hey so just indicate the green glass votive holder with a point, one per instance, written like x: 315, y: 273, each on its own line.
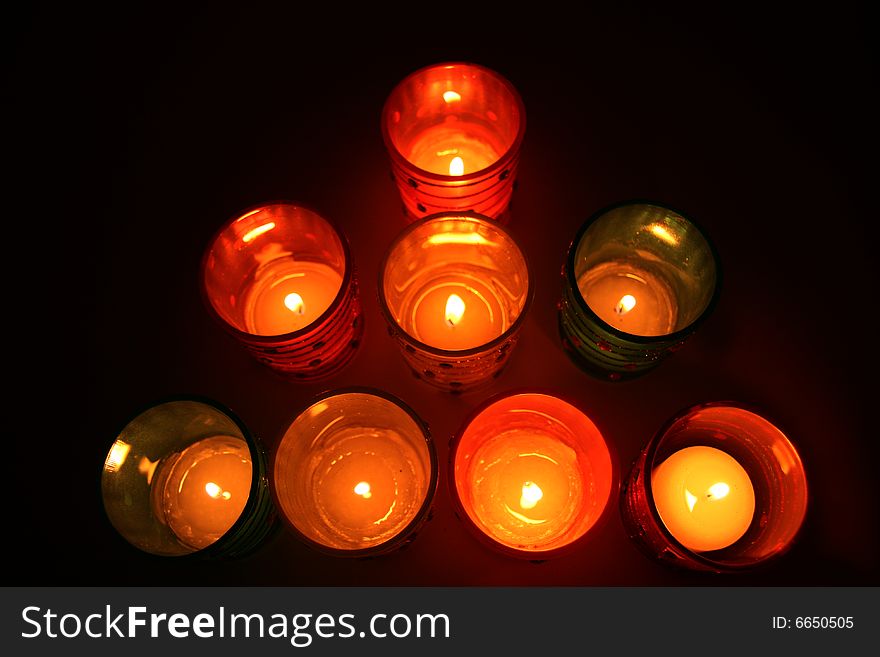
x: 638, y: 280
x: 186, y: 477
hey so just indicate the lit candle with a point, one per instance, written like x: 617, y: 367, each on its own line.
x: 531, y: 473
x: 203, y: 489
x: 355, y: 472
x: 181, y: 475
x: 454, y: 289
x: 453, y: 133
x: 637, y: 281
x: 279, y: 278
x: 719, y: 488
x: 704, y: 497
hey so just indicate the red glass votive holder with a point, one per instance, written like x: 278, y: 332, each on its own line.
x: 454, y: 289
x: 280, y: 279
x: 186, y: 477
x: 453, y: 132
x: 531, y: 475
x: 719, y: 488
x: 355, y: 473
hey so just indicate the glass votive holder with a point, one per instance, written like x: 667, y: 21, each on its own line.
x: 454, y: 289
x: 638, y: 280
x: 453, y: 133
x: 719, y: 488
x: 185, y: 476
x: 531, y: 475
x: 280, y: 279
x: 355, y: 473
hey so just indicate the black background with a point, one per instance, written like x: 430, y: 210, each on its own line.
x: 132, y: 136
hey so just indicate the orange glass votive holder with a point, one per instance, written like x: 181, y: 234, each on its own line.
x: 280, y: 279
x: 531, y: 475
x: 454, y: 289
x: 453, y: 132
x: 719, y: 488
x: 355, y: 473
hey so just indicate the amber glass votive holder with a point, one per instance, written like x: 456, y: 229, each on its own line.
x: 531, y: 475
x: 454, y: 289
x: 719, y: 488
x: 638, y: 280
x: 280, y: 279
x: 354, y: 474
x: 453, y: 133
x: 186, y: 477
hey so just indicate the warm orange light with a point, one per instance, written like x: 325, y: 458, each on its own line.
x: 456, y: 166
x: 363, y: 489
x: 627, y: 302
x: 531, y: 495
x: 451, y: 96
x: 294, y: 303
x: 662, y: 232
x: 256, y: 232
x: 454, y: 310
x: 704, y: 497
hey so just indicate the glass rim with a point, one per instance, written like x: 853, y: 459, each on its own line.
x: 471, y: 351
x: 571, y: 280
x: 458, y: 507
x: 347, y: 276
x: 254, y: 448
x: 485, y: 172
x: 401, y: 537
x: 644, y: 476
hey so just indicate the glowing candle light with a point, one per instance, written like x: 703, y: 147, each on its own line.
x: 531, y: 473
x: 453, y: 133
x: 355, y: 472
x: 719, y: 488
x: 454, y: 289
x: 180, y: 477
x: 704, y: 497
x: 637, y: 281
x: 203, y: 489
x: 279, y: 278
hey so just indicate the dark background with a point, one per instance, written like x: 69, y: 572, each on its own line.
x: 132, y: 136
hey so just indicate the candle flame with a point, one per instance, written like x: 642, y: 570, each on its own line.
x: 454, y: 310
x: 147, y: 467
x: 690, y: 498
x: 456, y: 166
x: 256, y: 232
x: 116, y: 457
x: 531, y: 495
x: 216, y: 492
x: 718, y: 491
x: 627, y: 302
x: 294, y: 303
x: 451, y: 96
x: 363, y: 489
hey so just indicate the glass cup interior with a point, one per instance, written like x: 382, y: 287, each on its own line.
x: 177, y: 478
x: 525, y: 451
x: 354, y: 471
x: 264, y: 247
x: 453, y: 103
x: 464, y: 249
x: 771, y: 463
x: 660, y: 245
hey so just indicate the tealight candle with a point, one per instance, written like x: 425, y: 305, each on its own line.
x: 354, y: 474
x: 453, y: 132
x: 719, y: 488
x: 185, y: 476
x: 454, y: 289
x: 279, y: 278
x: 531, y: 473
x: 638, y: 280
